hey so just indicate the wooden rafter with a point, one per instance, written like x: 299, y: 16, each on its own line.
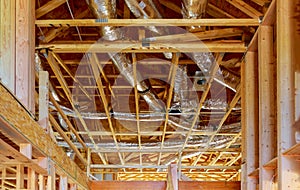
x: 49, y: 6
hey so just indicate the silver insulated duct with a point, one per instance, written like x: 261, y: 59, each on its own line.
x: 195, y: 9
x: 106, y: 9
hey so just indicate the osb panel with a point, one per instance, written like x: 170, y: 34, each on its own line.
x: 17, y: 117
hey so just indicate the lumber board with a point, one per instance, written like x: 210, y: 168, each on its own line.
x: 147, y: 22
x: 29, y: 128
x: 125, y: 46
x: 161, y: 185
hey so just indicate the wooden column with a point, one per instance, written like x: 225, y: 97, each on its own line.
x: 172, y: 179
x: 44, y: 100
x: 288, y: 167
x: 25, y: 35
x: 7, y: 43
x: 17, y: 34
x: 63, y: 183
x: 267, y: 104
x: 249, y: 98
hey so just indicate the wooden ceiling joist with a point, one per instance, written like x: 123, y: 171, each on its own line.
x: 148, y: 22
x: 131, y: 47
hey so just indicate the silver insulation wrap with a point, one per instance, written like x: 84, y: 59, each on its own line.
x: 107, y: 9
x: 104, y: 9
x: 146, y: 9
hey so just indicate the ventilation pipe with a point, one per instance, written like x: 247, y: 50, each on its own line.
x: 107, y: 9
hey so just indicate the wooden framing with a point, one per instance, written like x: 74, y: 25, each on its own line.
x: 148, y: 22
x: 249, y: 94
x: 288, y: 168
x: 137, y: 47
x: 267, y: 106
x: 35, y: 135
x: 25, y: 42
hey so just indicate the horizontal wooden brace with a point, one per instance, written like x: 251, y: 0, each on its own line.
x: 125, y: 46
x: 147, y: 22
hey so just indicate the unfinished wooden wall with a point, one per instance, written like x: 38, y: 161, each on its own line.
x: 277, y: 47
x: 17, y: 34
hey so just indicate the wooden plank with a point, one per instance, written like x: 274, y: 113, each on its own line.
x: 288, y: 168
x: 249, y: 101
x: 171, y: 6
x: 147, y: 22
x: 7, y: 44
x: 20, y: 177
x: 272, y: 164
x: 67, y: 139
x: 32, y: 179
x: 25, y: 43
x: 172, y: 179
x: 44, y: 100
x: 244, y: 7
x: 48, y: 7
x: 197, y: 36
x: 41, y: 182
x: 269, y: 19
x: 69, y: 124
x: 216, y: 12
x: 267, y: 108
x: 63, y: 183
x: 160, y: 185
x: 117, y: 46
x: 29, y: 128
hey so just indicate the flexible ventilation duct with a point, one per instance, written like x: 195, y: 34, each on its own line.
x: 107, y: 9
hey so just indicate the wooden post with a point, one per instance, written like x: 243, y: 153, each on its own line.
x: 172, y: 179
x: 51, y: 176
x: 7, y: 43
x: 288, y: 167
x: 63, y: 183
x: 44, y: 100
x: 267, y: 104
x: 20, y: 177
x: 32, y: 180
x: 249, y: 97
x: 88, y: 166
x: 41, y: 182
x: 25, y: 36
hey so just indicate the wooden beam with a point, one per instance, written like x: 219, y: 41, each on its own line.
x: 69, y: 124
x: 249, y: 93
x: 171, y: 6
x: 25, y: 43
x: 147, y: 22
x: 288, y: 168
x: 198, y: 36
x: 28, y: 128
x: 67, y: 139
x: 48, y: 7
x: 267, y: 108
x: 161, y: 185
x: 101, y: 166
x: 104, y: 47
x: 244, y: 7
x: 217, y: 12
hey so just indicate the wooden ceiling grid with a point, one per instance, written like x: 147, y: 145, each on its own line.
x: 66, y: 30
